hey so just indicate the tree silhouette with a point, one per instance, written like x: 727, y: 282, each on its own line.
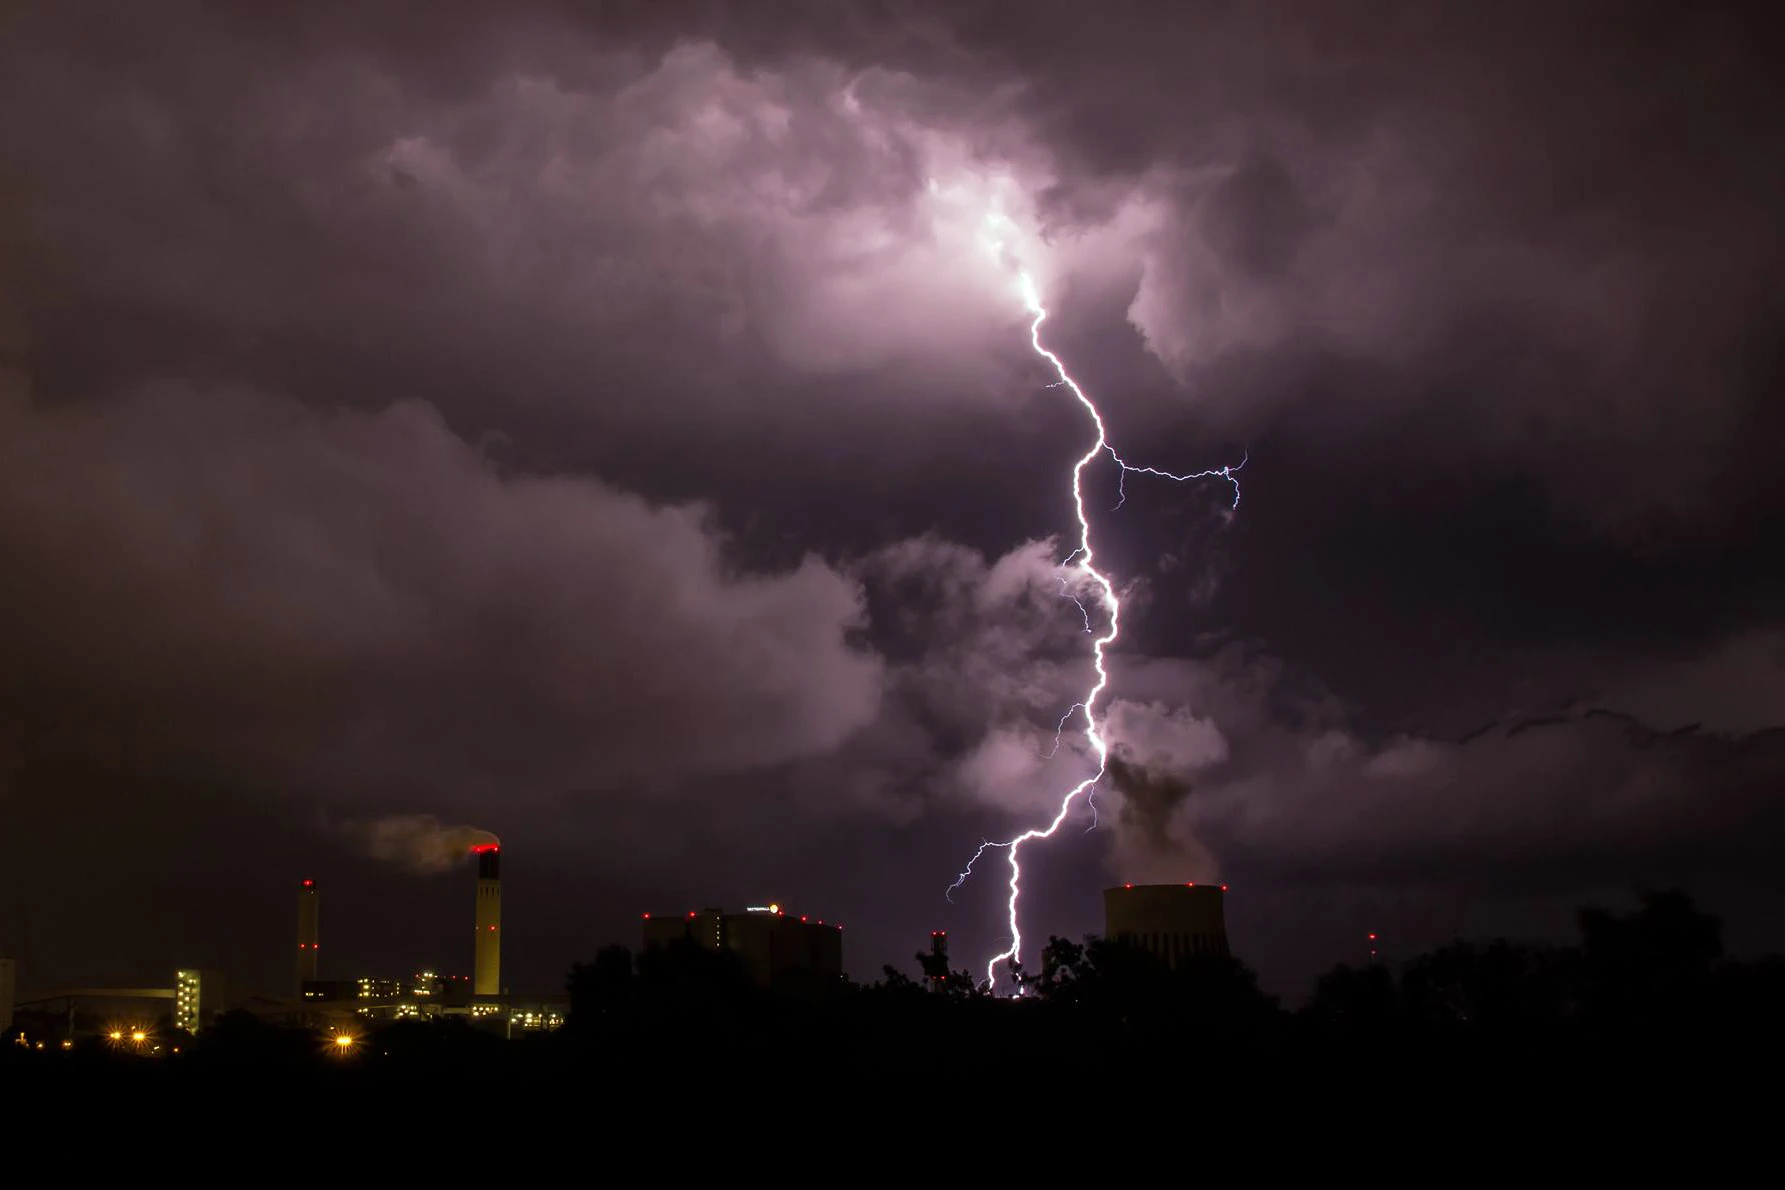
x: 1500, y: 987
x: 603, y: 991
x: 1653, y: 967
x: 1355, y: 1003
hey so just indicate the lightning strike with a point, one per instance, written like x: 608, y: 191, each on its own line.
x: 1104, y: 591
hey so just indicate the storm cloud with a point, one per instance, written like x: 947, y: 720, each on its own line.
x: 624, y: 415
x: 363, y: 603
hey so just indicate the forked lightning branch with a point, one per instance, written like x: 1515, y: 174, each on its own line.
x: 1082, y: 565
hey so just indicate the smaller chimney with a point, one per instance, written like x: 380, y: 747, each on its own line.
x: 935, y: 967
x: 308, y: 928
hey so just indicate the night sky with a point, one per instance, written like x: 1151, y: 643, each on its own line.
x: 604, y: 425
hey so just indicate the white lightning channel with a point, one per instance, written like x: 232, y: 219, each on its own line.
x: 1081, y: 559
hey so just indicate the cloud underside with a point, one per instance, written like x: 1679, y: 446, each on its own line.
x: 332, y: 333
x: 1234, y: 758
x: 362, y: 602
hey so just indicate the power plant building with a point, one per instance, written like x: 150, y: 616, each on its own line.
x: 198, y: 996
x: 344, y: 1003
x: 778, y: 950
x: 1176, y: 922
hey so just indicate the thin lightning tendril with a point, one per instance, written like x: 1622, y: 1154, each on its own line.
x: 1082, y: 559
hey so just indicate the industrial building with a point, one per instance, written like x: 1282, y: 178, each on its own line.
x: 1176, y: 922
x: 778, y: 950
x: 485, y: 981
x: 128, y: 1015
x: 344, y: 1004
x: 199, y: 997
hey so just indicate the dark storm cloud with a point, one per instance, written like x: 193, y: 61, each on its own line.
x: 671, y: 223
x: 1284, y: 785
x: 1552, y: 229
x: 361, y: 602
x: 980, y: 654
x: 436, y: 401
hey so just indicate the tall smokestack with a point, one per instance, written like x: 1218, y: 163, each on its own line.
x: 309, y: 911
x: 486, y: 973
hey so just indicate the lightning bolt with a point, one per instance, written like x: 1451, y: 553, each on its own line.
x: 1082, y: 560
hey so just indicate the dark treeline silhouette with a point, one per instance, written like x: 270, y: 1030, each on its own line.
x: 1652, y: 984
x: 1654, y: 981
x: 1656, y: 977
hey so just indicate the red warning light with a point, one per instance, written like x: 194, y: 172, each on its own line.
x: 309, y: 884
x: 1189, y: 884
x: 483, y: 847
x: 690, y: 913
x: 1223, y: 888
x: 1127, y: 886
x: 802, y: 919
x: 1372, y: 937
x: 647, y: 917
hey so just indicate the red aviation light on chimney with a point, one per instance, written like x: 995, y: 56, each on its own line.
x: 483, y: 847
x: 1223, y: 888
x: 309, y: 884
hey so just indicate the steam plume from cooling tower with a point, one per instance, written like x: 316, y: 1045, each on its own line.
x: 421, y: 842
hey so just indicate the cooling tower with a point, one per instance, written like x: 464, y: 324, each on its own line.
x: 486, y: 972
x: 309, y: 910
x: 1177, y: 922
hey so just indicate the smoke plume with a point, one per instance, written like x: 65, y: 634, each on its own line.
x: 1151, y: 843
x: 421, y: 842
x: 1149, y: 796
